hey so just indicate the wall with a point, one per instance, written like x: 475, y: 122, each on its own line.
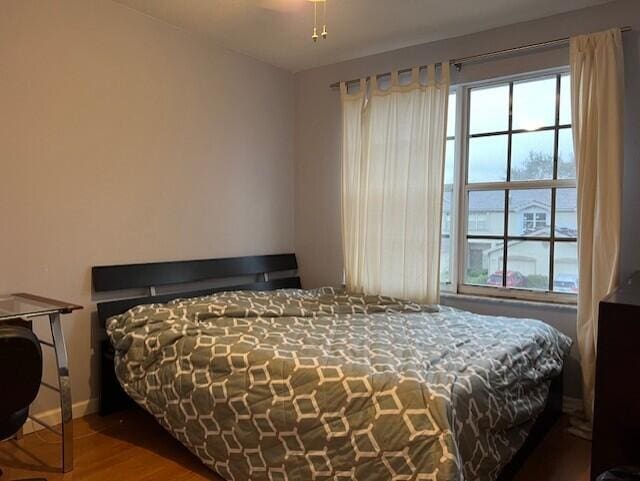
x: 318, y: 130
x: 124, y: 139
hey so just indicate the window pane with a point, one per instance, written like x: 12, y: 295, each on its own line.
x: 530, y: 212
x: 566, y: 158
x: 528, y: 265
x: 532, y: 155
x: 534, y: 103
x: 488, y: 159
x: 566, y: 213
x: 445, y: 258
x: 445, y: 244
x: 451, y: 116
x: 565, y: 100
x: 486, y: 212
x: 449, y: 156
x: 489, y: 109
x: 477, y: 254
x: 447, y: 205
x: 565, y: 267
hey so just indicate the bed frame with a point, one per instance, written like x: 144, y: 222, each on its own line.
x: 259, y: 273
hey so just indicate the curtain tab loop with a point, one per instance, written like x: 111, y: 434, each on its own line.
x: 431, y: 75
x: 395, y: 80
x: 445, y: 75
x: 374, y: 83
x: 415, y: 75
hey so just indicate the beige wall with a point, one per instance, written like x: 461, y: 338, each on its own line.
x: 124, y: 139
x: 318, y: 142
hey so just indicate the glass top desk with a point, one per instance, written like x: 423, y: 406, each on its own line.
x: 20, y: 306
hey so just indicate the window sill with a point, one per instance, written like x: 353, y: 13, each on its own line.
x: 546, y: 305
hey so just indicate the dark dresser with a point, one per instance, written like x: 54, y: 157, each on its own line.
x: 616, y: 419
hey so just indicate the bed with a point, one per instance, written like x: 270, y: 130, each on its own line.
x: 320, y: 384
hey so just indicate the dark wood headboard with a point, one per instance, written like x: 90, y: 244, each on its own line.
x: 266, y: 272
x: 174, y: 273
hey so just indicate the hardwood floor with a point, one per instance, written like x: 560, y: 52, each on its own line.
x: 132, y: 446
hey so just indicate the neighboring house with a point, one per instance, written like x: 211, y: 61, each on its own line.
x: 532, y: 258
x: 529, y: 215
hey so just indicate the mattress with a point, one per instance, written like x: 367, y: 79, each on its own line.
x: 320, y: 384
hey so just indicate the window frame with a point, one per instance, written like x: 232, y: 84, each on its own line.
x: 461, y: 188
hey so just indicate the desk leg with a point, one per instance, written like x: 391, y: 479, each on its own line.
x: 65, y: 392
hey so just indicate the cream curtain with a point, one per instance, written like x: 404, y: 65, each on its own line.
x: 393, y: 156
x: 596, y: 95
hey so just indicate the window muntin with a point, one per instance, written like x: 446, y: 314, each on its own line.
x: 517, y: 212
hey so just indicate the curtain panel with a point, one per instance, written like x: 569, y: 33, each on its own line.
x: 392, y: 174
x: 596, y: 95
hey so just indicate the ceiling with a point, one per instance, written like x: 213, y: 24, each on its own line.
x: 279, y: 31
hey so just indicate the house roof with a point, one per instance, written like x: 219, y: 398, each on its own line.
x: 561, y: 232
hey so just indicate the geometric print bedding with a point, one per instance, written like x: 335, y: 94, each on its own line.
x: 322, y: 385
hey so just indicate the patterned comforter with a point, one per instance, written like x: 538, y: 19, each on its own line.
x: 320, y: 385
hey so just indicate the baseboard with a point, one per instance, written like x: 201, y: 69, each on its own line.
x: 53, y: 416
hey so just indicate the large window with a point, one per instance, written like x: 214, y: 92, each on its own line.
x: 509, y: 206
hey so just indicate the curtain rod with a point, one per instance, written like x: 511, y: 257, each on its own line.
x: 458, y: 62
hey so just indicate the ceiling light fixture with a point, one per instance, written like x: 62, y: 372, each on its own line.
x: 323, y: 34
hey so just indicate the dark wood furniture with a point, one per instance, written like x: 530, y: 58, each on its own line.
x: 616, y: 419
x: 21, y: 306
x: 265, y: 272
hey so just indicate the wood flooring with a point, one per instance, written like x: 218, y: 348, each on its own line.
x: 132, y: 446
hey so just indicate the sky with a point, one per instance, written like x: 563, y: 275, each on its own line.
x: 533, y: 108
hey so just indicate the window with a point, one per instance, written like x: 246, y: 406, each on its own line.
x: 533, y: 221
x: 510, y: 192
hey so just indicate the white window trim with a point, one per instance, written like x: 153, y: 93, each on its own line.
x: 459, y: 200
